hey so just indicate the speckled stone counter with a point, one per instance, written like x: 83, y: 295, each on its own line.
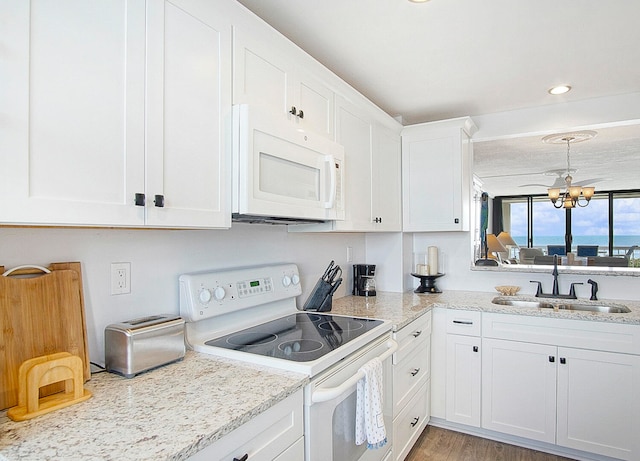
x: 165, y: 414
x: 402, y: 308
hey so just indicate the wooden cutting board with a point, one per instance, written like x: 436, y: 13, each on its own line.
x: 40, y: 314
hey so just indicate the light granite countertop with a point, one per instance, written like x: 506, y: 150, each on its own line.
x: 402, y: 308
x: 165, y: 414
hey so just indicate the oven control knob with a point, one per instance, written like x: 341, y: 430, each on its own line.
x: 219, y: 293
x: 295, y: 279
x: 286, y: 281
x: 204, y: 296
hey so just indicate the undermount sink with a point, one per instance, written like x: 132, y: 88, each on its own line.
x: 521, y: 303
x: 588, y: 307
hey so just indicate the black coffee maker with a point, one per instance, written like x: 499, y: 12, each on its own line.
x: 364, y: 283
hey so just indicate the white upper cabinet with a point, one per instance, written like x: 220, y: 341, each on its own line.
x: 92, y: 129
x: 436, y: 175
x: 188, y: 109
x: 267, y: 74
x: 386, y: 188
x: 73, y: 137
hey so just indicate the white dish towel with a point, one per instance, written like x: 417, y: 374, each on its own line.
x: 370, y: 406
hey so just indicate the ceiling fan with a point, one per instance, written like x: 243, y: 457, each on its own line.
x: 564, y: 176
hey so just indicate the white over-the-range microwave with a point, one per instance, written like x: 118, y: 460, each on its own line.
x: 283, y: 174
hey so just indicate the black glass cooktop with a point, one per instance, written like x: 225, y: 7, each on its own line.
x: 300, y: 337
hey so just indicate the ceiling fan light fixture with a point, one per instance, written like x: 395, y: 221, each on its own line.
x: 570, y: 198
x: 560, y: 89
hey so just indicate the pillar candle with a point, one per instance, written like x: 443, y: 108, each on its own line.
x: 433, y: 260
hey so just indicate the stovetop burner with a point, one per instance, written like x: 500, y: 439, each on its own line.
x: 300, y: 337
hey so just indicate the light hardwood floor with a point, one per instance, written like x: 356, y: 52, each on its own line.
x: 436, y: 444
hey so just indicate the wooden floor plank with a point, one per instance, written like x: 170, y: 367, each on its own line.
x: 437, y: 444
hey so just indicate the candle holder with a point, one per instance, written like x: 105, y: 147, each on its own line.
x: 427, y: 283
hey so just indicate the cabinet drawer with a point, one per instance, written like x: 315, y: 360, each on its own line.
x: 461, y: 322
x: 410, y: 423
x: 263, y: 438
x: 410, y: 373
x: 420, y: 327
x: 411, y: 335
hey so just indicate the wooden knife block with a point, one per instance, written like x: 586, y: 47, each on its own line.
x: 42, y: 371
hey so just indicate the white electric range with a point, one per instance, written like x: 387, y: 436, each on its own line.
x: 250, y: 314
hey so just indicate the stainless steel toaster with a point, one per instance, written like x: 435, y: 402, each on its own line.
x: 139, y: 345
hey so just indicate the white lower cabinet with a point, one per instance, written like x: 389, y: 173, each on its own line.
x: 411, y: 373
x: 573, y: 397
x: 463, y: 367
x: 463, y: 380
x: 599, y: 402
x: 276, y: 434
x: 519, y: 381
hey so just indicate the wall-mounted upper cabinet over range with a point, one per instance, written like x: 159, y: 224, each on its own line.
x: 436, y: 162
x: 267, y: 74
x: 116, y: 114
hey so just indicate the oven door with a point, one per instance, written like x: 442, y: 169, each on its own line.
x: 283, y: 171
x: 330, y: 401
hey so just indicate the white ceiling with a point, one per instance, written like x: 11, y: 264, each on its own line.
x: 452, y: 58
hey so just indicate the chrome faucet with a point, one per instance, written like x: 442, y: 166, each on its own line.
x: 555, y: 293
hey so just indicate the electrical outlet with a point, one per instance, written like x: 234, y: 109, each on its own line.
x: 120, y: 278
x: 349, y: 254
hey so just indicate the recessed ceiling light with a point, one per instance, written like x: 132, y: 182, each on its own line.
x: 560, y: 89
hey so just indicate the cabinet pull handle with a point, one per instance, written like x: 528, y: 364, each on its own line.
x: 563, y: 360
x: 415, y: 421
x: 463, y: 322
x: 456, y: 221
x: 140, y: 199
x: 301, y: 114
x: 475, y: 348
x: 244, y: 458
x: 417, y: 333
x: 293, y: 111
x: 552, y: 359
x: 159, y: 201
x: 415, y: 371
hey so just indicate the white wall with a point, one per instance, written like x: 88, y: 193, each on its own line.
x: 158, y: 257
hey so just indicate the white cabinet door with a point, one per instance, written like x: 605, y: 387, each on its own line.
x: 188, y: 104
x: 463, y: 380
x: 436, y: 176
x: 353, y: 132
x: 72, y: 139
x: 316, y: 100
x: 267, y: 74
x: 386, y: 194
x: 262, y: 71
x: 519, y: 389
x: 599, y: 402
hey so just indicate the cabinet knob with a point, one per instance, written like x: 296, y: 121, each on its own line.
x: 140, y: 199
x: 456, y: 220
x: 475, y: 348
x: 159, y: 201
x: 415, y: 421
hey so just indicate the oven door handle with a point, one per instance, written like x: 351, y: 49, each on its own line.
x: 329, y: 393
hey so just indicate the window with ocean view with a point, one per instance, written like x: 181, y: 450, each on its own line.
x: 608, y: 227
